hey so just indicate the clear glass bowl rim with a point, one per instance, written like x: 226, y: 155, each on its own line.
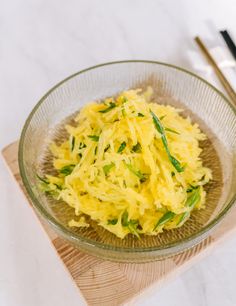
x: 71, y: 236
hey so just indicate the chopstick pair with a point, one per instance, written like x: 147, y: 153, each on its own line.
x: 229, y: 89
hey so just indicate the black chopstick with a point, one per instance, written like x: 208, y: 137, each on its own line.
x: 229, y: 42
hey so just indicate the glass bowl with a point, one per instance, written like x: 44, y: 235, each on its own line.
x: 173, y: 85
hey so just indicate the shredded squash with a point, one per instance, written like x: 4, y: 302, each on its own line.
x: 130, y: 165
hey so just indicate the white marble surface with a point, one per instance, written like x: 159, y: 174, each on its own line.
x: 42, y: 42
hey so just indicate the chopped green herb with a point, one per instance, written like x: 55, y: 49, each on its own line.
x: 176, y: 163
x: 112, y: 222
x: 192, y: 200
x: 42, y: 180
x: 137, y: 148
x: 123, y: 112
x: 95, y: 151
x: 46, y: 188
x: 107, y: 101
x: 108, y: 146
x: 107, y: 168
x: 58, y: 186
x: 131, y: 224
x: 72, y: 143
x: 139, y: 174
x: 172, y: 131
x: 53, y: 193
x: 140, y: 115
x: 82, y: 145
x: 66, y: 170
x: 161, y: 130
x: 162, y: 117
x: 109, y: 108
x: 94, y: 137
x: 182, y: 218
x: 121, y: 147
x: 45, y: 182
x: 133, y: 228
x: 124, y: 182
x: 194, y: 187
x: 80, y: 155
x: 124, y: 218
x: 164, y: 219
x: 172, y: 173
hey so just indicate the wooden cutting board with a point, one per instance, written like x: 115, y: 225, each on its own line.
x: 106, y: 283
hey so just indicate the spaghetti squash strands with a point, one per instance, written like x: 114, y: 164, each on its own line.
x: 131, y: 165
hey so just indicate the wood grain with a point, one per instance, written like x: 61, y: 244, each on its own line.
x: 105, y: 283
